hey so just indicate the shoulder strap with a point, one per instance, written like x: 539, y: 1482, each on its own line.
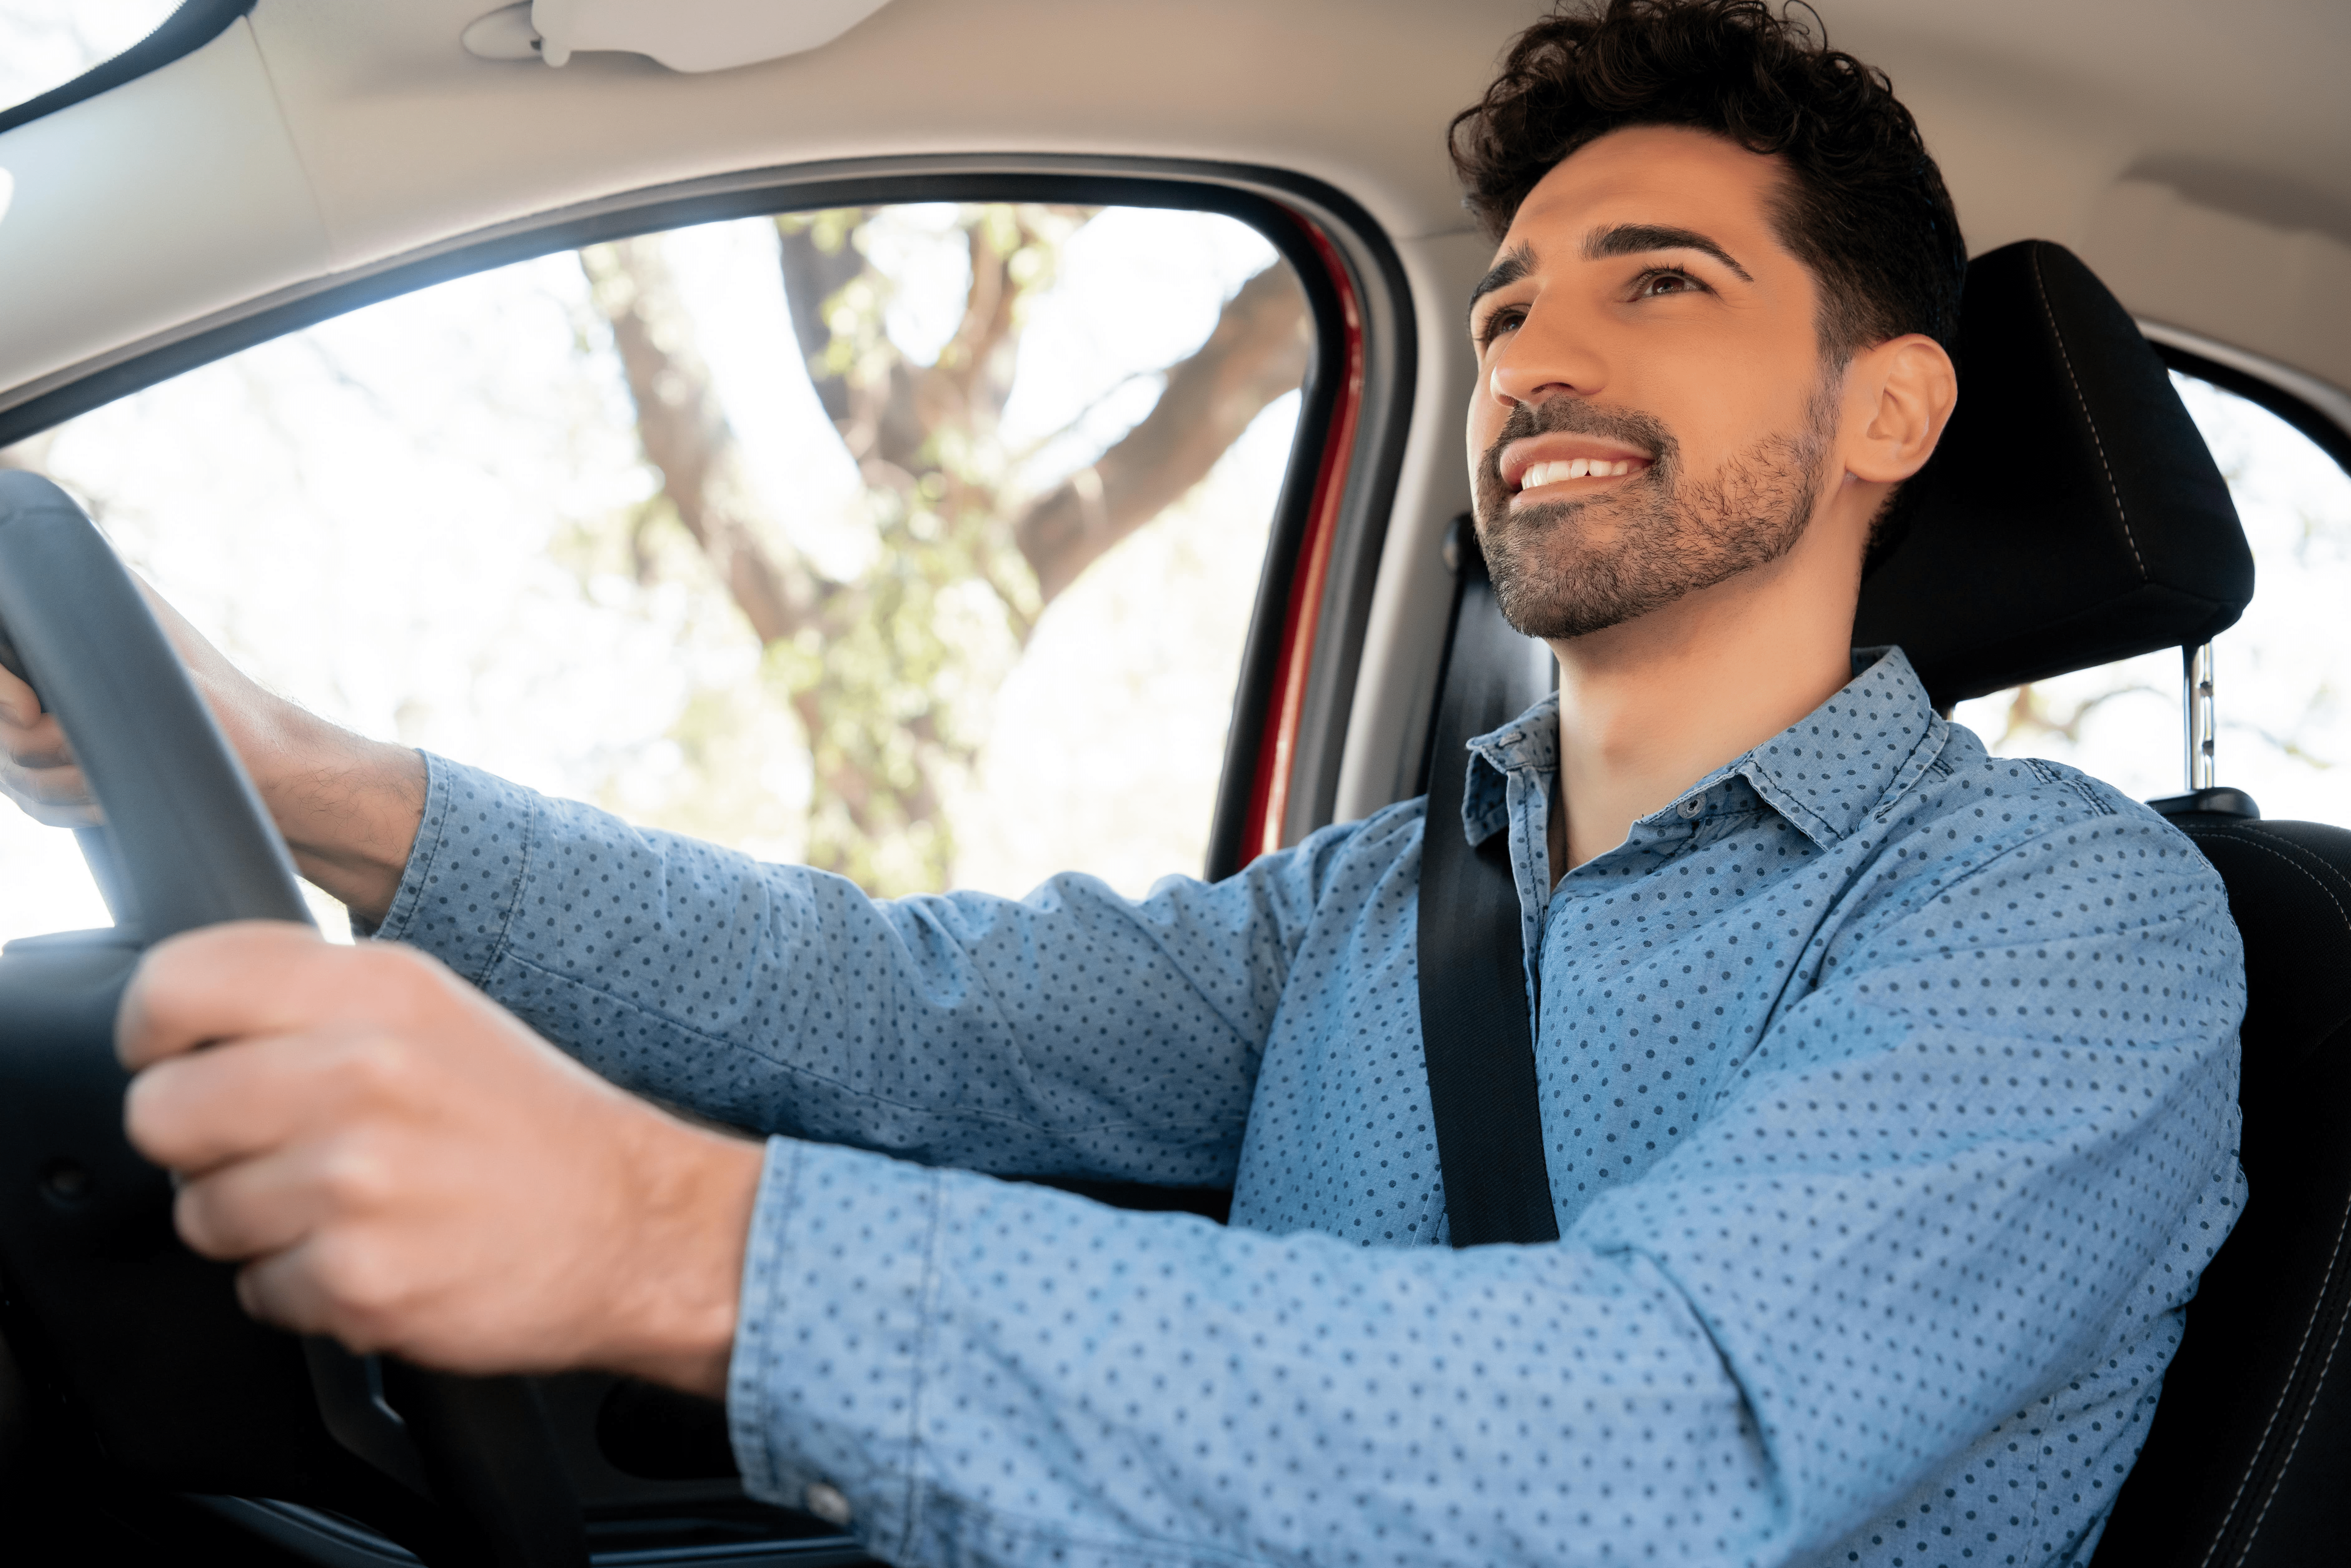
x: 1474, y: 1027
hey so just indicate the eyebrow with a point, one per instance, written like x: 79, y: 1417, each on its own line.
x: 1631, y: 239
x: 1624, y: 239
x: 1516, y: 262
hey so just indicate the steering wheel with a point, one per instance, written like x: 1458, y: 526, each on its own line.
x: 142, y: 1339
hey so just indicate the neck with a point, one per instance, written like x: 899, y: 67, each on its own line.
x: 1648, y: 708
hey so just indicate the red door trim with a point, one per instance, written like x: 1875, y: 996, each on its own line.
x: 1278, y: 745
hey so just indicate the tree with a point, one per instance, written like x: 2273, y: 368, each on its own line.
x: 881, y: 671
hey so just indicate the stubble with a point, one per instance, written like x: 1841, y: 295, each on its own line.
x: 1567, y: 568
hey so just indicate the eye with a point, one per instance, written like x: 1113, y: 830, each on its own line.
x: 1505, y: 318
x: 1658, y: 281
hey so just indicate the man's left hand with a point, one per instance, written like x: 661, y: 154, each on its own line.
x: 401, y: 1164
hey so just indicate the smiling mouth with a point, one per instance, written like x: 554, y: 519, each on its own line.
x: 1555, y: 473
x: 1585, y: 474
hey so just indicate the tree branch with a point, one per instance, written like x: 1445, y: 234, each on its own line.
x: 685, y: 435
x: 1257, y: 352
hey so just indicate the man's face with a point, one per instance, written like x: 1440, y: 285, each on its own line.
x: 1652, y: 414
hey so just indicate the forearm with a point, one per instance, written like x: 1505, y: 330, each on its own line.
x: 349, y: 806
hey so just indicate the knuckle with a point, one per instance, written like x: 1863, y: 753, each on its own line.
x: 379, y: 1066
x: 277, y: 1291
x: 153, y: 1116
x: 351, y: 1178
x: 398, y: 976
x: 353, y: 1274
x: 196, y: 1216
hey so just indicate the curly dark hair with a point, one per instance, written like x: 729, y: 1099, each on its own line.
x: 1864, y: 206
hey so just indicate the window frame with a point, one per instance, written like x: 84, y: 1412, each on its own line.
x: 1299, y: 664
x: 188, y: 29
x: 2242, y: 374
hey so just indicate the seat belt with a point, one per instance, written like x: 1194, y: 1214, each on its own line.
x: 1475, y: 1030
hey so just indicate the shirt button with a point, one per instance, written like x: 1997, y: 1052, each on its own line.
x: 827, y: 1504
x: 1690, y: 807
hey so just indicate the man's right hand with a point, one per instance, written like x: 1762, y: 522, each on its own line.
x: 36, y: 764
x: 349, y: 806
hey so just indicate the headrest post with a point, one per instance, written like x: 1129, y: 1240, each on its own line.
x: 2195, y: 664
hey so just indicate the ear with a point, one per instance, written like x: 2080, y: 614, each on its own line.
x: 1898, y: 397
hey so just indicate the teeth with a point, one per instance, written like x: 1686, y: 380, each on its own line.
x: 1572, y: 468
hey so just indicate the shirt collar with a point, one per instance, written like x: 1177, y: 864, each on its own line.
x: 1825, y: 773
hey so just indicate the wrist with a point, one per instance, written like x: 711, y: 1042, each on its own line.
x: 680, y: 1280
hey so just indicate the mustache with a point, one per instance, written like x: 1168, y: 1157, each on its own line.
x: 1574, y: 416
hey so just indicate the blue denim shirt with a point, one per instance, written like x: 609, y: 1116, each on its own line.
x: 1888, y: 1090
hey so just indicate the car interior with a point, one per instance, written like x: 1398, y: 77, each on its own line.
x: 2155, y: 196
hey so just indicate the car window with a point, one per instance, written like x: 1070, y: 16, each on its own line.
x: 2282, y: 674
x: 46, y: 44
x: 917, y: 542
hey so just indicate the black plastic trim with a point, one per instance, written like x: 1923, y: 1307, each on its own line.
x: 2324, y: 433
x: 195, y: 23
x: 1273, y: 201
x: 1293, y: 514
x: 2223, y: 801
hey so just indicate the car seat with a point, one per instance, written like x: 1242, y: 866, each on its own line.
x: 2073, y: 516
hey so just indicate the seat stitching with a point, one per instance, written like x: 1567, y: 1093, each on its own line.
x: 2325, y: 1285
x: 2281, y: 852
x: 2309, y: 1406
x: 2310, y: 1327
x: 2040, y: 290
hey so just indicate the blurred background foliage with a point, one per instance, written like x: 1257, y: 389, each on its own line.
x: 915, y: 542
x: 887, y: 671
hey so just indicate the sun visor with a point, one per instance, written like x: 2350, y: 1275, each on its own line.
x: 683, y: 35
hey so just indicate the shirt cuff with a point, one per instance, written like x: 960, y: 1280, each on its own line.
x: 821, y: 1396
x: 465, y: 877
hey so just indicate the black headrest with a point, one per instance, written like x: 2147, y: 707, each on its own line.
x: 2072, y: 514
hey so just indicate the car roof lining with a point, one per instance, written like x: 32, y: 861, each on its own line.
x: 2108, y: 126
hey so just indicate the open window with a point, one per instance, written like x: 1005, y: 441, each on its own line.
x: 921, y: 540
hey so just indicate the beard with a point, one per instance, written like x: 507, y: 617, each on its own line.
x: 1564, y: 568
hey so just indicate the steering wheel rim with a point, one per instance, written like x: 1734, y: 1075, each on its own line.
x: 192, y: 845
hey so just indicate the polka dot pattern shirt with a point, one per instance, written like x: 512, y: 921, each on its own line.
x: 1888, y: 1090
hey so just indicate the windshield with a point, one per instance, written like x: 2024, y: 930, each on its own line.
x: 44, y: 44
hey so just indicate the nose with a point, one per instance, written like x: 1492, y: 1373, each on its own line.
x: 1545, y: 358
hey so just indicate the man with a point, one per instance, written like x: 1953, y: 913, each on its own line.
x: 1887, y: 1088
